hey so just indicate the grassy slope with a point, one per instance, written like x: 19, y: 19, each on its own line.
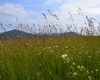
x: 41, y: 59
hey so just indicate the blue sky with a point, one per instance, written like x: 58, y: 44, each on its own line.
x: 30, y: 11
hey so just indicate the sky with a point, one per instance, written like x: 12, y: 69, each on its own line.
x: 30, y: 11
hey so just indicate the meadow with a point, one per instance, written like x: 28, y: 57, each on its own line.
x: 74, y: 58
x: 65, y: 58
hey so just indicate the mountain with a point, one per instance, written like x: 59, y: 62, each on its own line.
x: 70, y: 34
x: 13, y: 34
x: 40, y: 33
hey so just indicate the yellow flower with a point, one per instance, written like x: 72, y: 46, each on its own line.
x: 50, y: 71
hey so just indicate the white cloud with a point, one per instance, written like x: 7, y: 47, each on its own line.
x: 9, y: 12
x: 90, y: 7
x: 13, y: 10
x: 32, y: 13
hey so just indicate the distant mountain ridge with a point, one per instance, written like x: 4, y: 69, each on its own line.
x: 15, y: 34
x: 21, y: 34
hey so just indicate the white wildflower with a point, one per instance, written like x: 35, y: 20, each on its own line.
x: 71, y: 67
x: 75, y: 73
x: 65, y: 47
x: 73, y: 63
x: 78, y: 67
x: 80, y: 52
x: 92, y: 72
x: 82, y: 67
x: 55, y: 46
x: 98, y: 51
x: 87, y: 72
x: 96, y: 70
x: 49, y: 47
x: 38, y: 74
x: 89, y: 77
x: 68, y: 60
x: 89, y: 57
x: 64, y: 56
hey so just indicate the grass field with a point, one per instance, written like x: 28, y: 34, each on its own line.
x: 73, y: 58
